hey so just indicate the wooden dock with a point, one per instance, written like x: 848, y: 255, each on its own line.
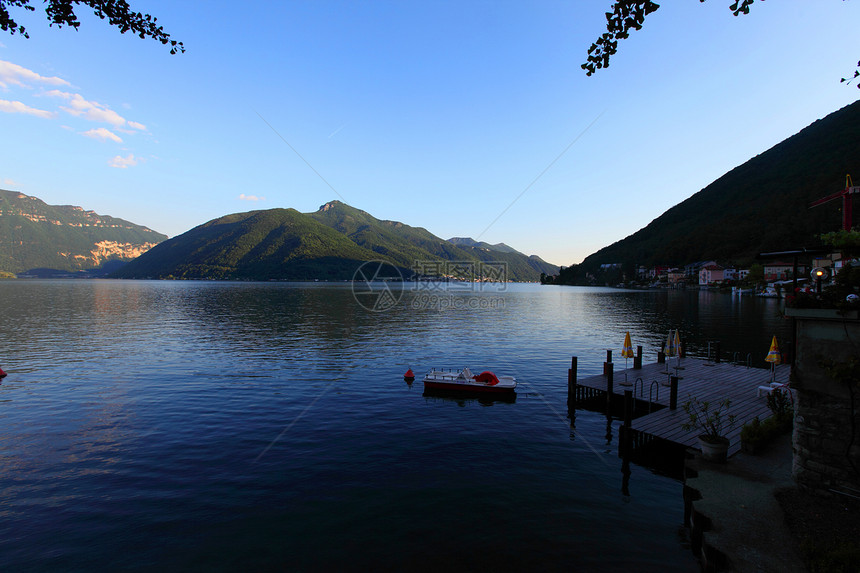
x: 699, y: 378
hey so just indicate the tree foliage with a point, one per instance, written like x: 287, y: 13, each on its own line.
x: 846, y: 241
x: 117, y: 12
x: 627, y: 15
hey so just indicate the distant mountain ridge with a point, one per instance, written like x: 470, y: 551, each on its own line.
x: 34, y: 234
x: 470, y: 242
x: 330, y: 243
x: 760, y: 206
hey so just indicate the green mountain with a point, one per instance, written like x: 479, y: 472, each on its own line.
x: 34, y: 234
x: 395, y: 242
x: 331, y: 243
x: 271, y: 244
x: 470, y: 242
x: 760, y: 206
x: 404, y: 245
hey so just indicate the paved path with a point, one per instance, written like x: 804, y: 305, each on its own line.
x: 747, y: 523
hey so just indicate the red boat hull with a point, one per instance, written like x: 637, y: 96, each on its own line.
x: 466, y: 388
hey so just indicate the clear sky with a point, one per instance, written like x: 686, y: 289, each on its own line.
x: 468, y: 117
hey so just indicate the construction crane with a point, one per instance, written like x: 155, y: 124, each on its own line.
x: 846, y: 202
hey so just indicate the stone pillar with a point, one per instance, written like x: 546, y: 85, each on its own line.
x: 826, y: 452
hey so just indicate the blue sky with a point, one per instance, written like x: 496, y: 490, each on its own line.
x: 453, y: 116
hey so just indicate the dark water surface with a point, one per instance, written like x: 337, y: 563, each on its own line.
x: 227, y: 426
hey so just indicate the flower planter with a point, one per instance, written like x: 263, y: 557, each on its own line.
x: 821, y: 313
x: 714, y: 449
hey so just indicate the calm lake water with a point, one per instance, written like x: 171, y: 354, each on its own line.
x: 267, y: 426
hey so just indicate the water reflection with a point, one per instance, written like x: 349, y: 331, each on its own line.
x: 124, y: 394
x: 463, y: 398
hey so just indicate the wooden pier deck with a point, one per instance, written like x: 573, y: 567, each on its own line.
x: 702, y: 379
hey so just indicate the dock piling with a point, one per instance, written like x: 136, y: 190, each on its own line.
x: 628, y: 408
x: 625, y: 437
x: 571, y: 383
x: 610, y: 379
x: 673, y: 392
x: 637, y: 360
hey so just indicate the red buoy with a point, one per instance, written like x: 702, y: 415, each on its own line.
x: 409, y: 376
x: 2, y: 374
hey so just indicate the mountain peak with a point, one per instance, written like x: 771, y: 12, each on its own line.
x: 470, y: 242
x: 330, y: 205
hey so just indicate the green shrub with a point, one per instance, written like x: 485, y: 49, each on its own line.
x: 780, y: 404
x: 756, y: 434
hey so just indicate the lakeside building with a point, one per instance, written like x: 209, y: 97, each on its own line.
x: 780, y: 271
x: 711, y: 274
x: 692, y: 270
x: 677, y: 276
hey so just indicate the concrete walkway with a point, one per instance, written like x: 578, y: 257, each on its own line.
x: 741, y: 523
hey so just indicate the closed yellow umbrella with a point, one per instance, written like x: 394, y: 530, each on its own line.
x: 626, y: 352
x: 670, y: 345
x: 774, y: 357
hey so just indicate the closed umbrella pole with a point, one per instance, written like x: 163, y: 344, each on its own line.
x: 670, y: 345
x: 774, y: 357
x: 627, y: 350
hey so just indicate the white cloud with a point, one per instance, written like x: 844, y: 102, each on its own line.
x: 103, y: 134
x: 243, y: 197
x: 10, y: 182
x: 93, y: 111
x: 58, y: 93
x: 18, y: 107
x: 124, y: 162
x: 19, y: 76
x: 74, y: 104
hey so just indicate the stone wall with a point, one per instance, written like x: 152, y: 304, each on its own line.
x: 827, y: 413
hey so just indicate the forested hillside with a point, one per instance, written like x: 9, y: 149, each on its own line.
x: 760, y: 206
x: 34, y: 234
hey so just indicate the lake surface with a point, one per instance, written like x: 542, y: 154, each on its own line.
x: 267, y: 426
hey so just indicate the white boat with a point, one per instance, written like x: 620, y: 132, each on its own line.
x: 769, y: 292
x: 739, y: 290
x: 464, y: 381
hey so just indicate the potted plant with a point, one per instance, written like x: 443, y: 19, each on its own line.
x: 713, y: 420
